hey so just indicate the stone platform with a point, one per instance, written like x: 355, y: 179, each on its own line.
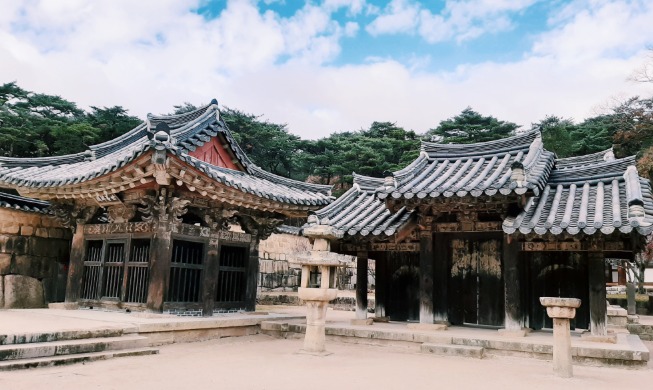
x: 628, y: 351
x: 45, y: 325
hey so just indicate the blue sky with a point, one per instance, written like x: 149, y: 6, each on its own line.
x: 333, y: 65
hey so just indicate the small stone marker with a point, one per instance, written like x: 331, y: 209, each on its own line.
x: 561, y: 310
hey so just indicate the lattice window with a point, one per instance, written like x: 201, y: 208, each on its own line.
x: 187, y: 264
x: 232, y: 275
x: 138, y: 271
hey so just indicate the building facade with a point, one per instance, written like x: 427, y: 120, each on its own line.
x: 167, y: 217
x: 474, y: 234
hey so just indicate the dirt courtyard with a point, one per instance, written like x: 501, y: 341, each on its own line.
x: 262, y: 362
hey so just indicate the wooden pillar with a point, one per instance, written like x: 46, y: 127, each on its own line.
x: 160, y: 253
x: 361, y: 285
x: 210, y: 278
x: 76, y: 265
x: 514, y: 320
x: 380, y: 283
x: 441, y: 278
x: 252, y: 274
x: 598, y: 307
x: 426, y: 277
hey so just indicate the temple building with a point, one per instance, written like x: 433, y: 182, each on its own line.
x: 474, y: 234
x: 166, y: 217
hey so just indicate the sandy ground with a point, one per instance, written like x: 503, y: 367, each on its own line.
x: 262, y: 362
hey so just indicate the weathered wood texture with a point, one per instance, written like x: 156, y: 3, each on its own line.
x: 512, y: 276
x: 76, y: 265
x: 556, y: 274
x: 597, y: 305
x: 476, y: 280
x: 210, y: 278
x: 361, y: 284
x: 252, y: 274
x: 440, y: 279
x: 380, y: 283
x: 402, y: 291
x: 426, y: 278
x: 159, y: 267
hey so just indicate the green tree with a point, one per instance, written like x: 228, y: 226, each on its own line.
x: 268, y: 144
x: 557, y: 134
x: 111, y: 122
x: 469, y: 127
x: 74, y: 138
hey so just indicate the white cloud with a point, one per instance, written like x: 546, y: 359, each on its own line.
x: 151, y: 55
x: 460, y: 20
x: 400, y: 16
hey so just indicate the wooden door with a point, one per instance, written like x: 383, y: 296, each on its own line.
x: 557, y: 274
x: 401, y: 290
x: 476, y: 284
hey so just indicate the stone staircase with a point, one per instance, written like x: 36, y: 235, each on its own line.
x: 57, y: 348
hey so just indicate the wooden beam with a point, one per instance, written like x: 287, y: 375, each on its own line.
x: 598, y: 308
x: 426, y: 277
x: 361, y: 285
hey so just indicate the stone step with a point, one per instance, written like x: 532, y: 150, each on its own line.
x: 71, y: 359
x: 452, y: 350
x: 25, y: 338
x: 70, y: 347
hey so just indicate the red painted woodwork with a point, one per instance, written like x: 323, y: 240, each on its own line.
x: 214, y: 153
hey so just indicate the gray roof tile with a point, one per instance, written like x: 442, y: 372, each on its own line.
x: 187, y: 131
x: 603, y: 196
x: 446, y: 170
x: 360, y: 212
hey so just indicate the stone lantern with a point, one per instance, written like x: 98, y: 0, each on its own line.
x: 318, y: 286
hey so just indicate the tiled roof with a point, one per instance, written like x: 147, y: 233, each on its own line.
x: 360, y: 212
x: 580, y: 161
x: 475, y: 169
x: 287, y: 229
x: 187, y: 132
x: 23, y: 204
x: 264, y: 184
x: 598, y: 196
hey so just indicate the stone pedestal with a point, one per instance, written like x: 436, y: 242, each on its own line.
x: 317, y: 300
x: 318, y: 286
x: 561, y: 310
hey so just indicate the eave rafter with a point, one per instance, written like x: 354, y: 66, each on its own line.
x: 137, y: 173
x: 198, y: 182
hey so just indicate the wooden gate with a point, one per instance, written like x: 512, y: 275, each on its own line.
x: 476, y: 284
x: 231, y: 286
x: 400, y: 276
x: 557, y: 274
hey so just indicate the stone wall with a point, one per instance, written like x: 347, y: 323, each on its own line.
x: 33, y: 259
x: 278, y: 272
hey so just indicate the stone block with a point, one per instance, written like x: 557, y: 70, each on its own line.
x: 5, y: 263
x: 10, y: 228
x: 26, y: 230
x: 33, y: 266
x: 2, y: 292
x: 55, y: 233
x: 365, y: 321
x: 41, y: 232
x: 22, y: 292
x: 428, y: 327
x: 15, y: 244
